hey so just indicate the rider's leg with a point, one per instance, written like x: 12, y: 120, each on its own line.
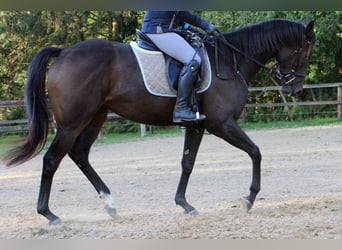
x: 182, y: 111
x: 175, y: 46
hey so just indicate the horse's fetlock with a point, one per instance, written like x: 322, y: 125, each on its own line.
x: 42, y: 211
x: 179, y: 200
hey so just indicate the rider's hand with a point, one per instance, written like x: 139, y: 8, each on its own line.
x: 210, y: 29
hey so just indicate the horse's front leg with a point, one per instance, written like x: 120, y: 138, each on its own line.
x: 193, y: 138
x: 233, y: 134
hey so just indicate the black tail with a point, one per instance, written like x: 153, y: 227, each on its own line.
x: 37, y: 113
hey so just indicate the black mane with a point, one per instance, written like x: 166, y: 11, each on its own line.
x: 268, y: 36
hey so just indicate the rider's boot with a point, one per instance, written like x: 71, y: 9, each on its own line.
x: 182, y: 111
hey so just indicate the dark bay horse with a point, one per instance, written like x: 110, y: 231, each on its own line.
x: 92, y: 77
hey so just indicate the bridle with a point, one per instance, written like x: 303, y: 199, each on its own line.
x: 286, y: 78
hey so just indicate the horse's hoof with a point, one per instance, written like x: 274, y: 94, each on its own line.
x: 193, y: 212
x: 56, y: 222
x: 111, y: 211
x: 246, y: 204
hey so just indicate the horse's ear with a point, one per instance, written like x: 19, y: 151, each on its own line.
x: 310, y: 30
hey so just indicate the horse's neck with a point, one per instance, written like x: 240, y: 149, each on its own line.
x: 249, y: 68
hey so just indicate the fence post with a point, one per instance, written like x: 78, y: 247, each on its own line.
x: 143, y: 130
x: 289, y: 113
x: 244, y: 115
x: 339, y: 99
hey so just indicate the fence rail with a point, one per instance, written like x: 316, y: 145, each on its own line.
x: 12, y: 126
x: 287, y: 104
x: 11, y: 104
x: 338, y: 102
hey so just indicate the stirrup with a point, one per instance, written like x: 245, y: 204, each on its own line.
x: 198, y: 118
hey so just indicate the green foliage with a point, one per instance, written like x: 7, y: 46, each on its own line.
x: 23, y: 33
x: 14, y: 113
x: 120, y: 126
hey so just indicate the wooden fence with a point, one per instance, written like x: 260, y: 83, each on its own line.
x: 12, y: 126
x: 286, y: 104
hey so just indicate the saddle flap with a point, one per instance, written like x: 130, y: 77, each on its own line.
x: 173, y: 69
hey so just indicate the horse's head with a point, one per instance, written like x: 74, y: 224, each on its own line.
x: 293, y: 63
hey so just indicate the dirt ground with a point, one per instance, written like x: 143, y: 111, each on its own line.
x: 301, y: 196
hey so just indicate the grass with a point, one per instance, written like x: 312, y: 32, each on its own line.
x: 7, y: 141
x: 291, y: 124
x: 134, y: 136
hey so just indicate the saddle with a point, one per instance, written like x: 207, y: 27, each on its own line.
x: 160, y: 71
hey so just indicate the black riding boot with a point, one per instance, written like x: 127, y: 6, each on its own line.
x: 182, y: 111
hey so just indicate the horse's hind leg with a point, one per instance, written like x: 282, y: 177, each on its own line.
x: 193, y: 138
x: 58, y: 149
x: 80, y: 152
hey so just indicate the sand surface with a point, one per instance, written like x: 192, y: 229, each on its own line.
x: 300, y: 198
